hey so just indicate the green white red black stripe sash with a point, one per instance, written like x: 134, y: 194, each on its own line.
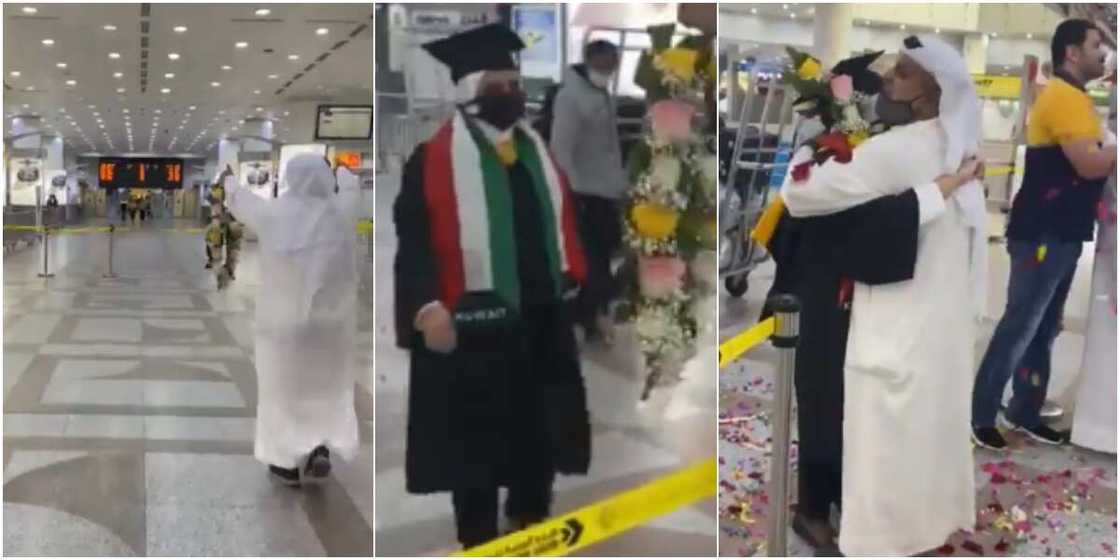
x: 470, y: 210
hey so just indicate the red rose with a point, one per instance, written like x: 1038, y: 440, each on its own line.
x: 801, y: 171
x: 838, y: 143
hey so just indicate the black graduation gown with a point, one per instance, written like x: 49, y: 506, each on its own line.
x: 508, y: 400
x: 874, y: 243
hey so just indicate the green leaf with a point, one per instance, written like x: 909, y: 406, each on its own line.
x: 638, y: 160
x: 661, y: 36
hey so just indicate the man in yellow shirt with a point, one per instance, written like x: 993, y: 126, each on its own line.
x: 1052, y: 216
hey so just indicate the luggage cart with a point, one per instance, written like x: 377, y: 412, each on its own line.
x: 756, y: 163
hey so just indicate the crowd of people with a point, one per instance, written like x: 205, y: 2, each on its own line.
x: 903, y: 226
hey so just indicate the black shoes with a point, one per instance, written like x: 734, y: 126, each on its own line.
x: 287, y: 477
x: 318, y: 463
x: 989, y: 438
x: 818, y: 533
x: 1041, y: 433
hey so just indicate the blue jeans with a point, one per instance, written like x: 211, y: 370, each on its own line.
x: 1024, y: 338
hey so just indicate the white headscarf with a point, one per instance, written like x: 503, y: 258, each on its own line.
x: 960, y: 116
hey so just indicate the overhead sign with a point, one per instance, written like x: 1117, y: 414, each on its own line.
x: 997, y: 87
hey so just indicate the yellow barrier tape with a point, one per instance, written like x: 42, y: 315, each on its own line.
x: 568, y: 533
x: 739, y: 344
x: 1001, y: 170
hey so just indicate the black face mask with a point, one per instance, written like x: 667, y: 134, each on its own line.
x: 894, y: 113
x: 501, y: 110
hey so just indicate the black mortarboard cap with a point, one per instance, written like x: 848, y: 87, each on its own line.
x: 489, y: 47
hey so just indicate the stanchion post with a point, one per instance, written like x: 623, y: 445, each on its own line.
x: 46, y: 236
x: 111, y: 274
x: 787, y: 311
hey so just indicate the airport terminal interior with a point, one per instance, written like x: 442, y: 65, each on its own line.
x: 1036, y: 500
x: 130, y: 390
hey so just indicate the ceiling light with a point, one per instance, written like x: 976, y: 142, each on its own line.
x: 902, y: 27
x: 179, y: 29
x: 120, y: 90
x: 1030, y: 35
x: 241, y: 44
x: 792, y: 15
x: 227, y: 67
x: 259, y: 109
x: 215, y: 84
x: 26, y: 106
x: 61, y: 65
x: 257, y: 91
x: 109, y: 27
x: 168, y: 76
x: 191, y: 108
x: 165, y: 90
x: 938, y: 30
x: 114, y: 55
x: 71, y: 82
x: 272, y: 76
x: 286, y: 113
x: 322, y: 31
x: 995, y: 35
x: 118, y: 75
x: 173, y: 56
x: 263, y: 12
x: 48, y: 42
x: 29, y: 10
x: 754, y: 11
x: 14, y: 73
x: 158, y: 111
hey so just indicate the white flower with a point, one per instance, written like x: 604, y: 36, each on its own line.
x: 709, y: 170
x: 665, y: 171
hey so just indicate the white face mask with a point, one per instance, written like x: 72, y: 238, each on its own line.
x: 600, y: 79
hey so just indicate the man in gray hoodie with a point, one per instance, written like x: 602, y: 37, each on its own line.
x: 584, y: 139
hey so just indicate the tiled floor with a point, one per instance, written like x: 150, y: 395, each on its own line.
x: 1062, y: 499
x: 631, y: 444
x: 129, y: 409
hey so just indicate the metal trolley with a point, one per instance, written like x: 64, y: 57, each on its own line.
x: 759, y: 148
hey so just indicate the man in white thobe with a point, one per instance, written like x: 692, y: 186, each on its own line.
x: 907, y: 481
x: 306, y: 319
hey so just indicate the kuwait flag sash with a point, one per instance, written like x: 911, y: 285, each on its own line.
x: 470, y: 210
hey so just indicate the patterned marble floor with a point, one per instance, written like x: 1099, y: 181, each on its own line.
x: 631, y: 445
x: 129, y: 409
x: 1033, y: 501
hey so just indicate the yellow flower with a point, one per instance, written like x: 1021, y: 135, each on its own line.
x: 809, y: 69
x: 712, y: 70
x: 857, y: 138
x: 679, y: 62
x: 654, y: 221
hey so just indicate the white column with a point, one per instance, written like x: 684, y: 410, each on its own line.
x: 976, y: 52
x: 832, y: 29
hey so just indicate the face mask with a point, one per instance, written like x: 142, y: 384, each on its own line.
x: 600, y: 79
x: 501, y: 110
x: 894, y: 113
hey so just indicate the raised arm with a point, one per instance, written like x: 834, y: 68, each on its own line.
x: 247, y: 207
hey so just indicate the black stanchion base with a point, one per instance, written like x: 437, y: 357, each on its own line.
x: 41, y: 275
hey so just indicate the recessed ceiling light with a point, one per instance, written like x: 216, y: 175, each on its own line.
x: 322, y: 31
x: 179, y: 29
x: 48, y: 42
x: 754, y: 11
x: 286, y: 113
x: 158, y: 111
x: 114, y: 55
x: 263, y: 12
x: 215, y: 84
x: 109, y: 27
x: 120, y: 90
x: 256, y: 92
x: 173, y: 56
x: 71, y: 82
x: 14, y: 73
x: 938, y: 30
x: 1030, y: 35
x: 169, y: 75
x: 293, y: 57
x: 30, y: 10
x: 227, y: 67
x: 902, y: 27
x: 165, y: 90
x: 118, y: 75
x: 272, y: 76
x: 26, y: 106
x: 241, y: 44
x: 792, y: 15
x: 91, y: 106
x: 995, y: 35
x: 61, y: 65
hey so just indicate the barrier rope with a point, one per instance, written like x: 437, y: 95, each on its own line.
x: 738, y: 345
x: 365, y: 227
x: 579, y: 529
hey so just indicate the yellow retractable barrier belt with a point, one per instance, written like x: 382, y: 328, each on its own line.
x: 568, y: 533
x: 1000, y: 170
x: 739, y: 344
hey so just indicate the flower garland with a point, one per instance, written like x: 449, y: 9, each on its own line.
x: 670, y: 221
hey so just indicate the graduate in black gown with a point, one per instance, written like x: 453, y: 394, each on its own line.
x: 488, y: 254
x: 818, y: 259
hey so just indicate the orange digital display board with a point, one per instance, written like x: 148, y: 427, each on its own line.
x: 140, y: 173
x: 350, y: 160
